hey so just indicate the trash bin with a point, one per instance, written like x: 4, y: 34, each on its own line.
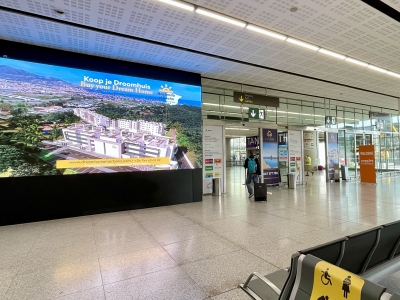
x: 292, y: 180
x: 336, y: 174
x: 215, y: 189
x: 345, y: 172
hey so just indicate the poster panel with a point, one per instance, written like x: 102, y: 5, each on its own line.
x: 367, y: 164
x: 309, y: 140
x: 295, y: 154
x: 58, y: 121
x: 283, y: 153
x: 213, y: 166
x: 333, y: 153
x: 252, y: 142
x: 270, y: 156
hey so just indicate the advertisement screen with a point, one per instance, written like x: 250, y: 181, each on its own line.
x: 270, y: 156
x: 333, y: 153
x: 58, y: 121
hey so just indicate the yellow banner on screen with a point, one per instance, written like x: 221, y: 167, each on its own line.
x: 111, y: 162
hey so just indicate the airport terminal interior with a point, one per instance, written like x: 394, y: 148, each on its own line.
x: 250, y: 70
x: 191, y: 251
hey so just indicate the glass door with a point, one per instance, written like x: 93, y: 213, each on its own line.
x: 342, y: 147
x: 351, y: 157
x: 376, y: 140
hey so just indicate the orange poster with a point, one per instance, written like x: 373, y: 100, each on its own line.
x: 367, y: 164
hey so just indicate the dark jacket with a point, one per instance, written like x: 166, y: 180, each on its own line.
x: 258, y: 171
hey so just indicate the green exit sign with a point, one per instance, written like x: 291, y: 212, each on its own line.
x: 330, y: 120
x: 256, y: 114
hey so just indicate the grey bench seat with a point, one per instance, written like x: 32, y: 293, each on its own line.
x: 373, y: 254
x: 303, y: 280
x: 278, y: 279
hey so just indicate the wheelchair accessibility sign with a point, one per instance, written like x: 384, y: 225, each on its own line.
x: 333, y: 283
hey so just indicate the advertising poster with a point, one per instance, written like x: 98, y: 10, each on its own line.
x: 270, y: 156
x: 252, y: 142
x: 367, y: 164
x: 213, y: 166
x: 295, y: 154
x: 59, y: 121
x: 333, y: 153
x: 283, y: 156
x: 283, y: 153
x: 309, y: 140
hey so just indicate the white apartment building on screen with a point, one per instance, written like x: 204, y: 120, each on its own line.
x: 118, y: 138
x: 92, y: 117
x: 130, y: 125
x: 116, y: 143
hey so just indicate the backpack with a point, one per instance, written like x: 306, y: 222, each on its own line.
x: 251, y: 165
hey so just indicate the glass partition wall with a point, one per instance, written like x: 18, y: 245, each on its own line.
x: 356, y: 124
x: 238, y: 151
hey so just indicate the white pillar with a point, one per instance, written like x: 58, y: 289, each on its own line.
x: 228, y: 155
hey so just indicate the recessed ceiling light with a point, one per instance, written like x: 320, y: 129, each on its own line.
x: 302, y: 44
x: 179, y: 4
x: 266, y: 32
x: 377, y: 69
x: 393, y: 74
x: 333, y: 54
x: 357, y: 62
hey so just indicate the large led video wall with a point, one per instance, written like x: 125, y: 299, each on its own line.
x: 58, y: 121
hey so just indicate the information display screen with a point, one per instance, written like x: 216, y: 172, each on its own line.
x: 57, y: 120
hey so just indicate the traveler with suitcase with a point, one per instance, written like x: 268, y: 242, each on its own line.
x: 253, y: 168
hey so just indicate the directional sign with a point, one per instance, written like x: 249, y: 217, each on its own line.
x: 261, y: 114
x: 380, y: 124
x: 246, y: 98
x: 256, y: 113
x: 330, y: 120
x: 253, y: 113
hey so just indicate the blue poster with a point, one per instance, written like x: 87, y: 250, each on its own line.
x: 270, y: 156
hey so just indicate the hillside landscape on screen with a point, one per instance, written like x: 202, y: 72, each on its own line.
x: 53, y: 116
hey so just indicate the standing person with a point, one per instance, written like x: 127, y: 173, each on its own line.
x: 253, y: 168
x: 308, y: 165
x: 346, y: 286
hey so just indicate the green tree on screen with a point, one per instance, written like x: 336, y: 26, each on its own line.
x: 10, y: 157
x: 5, y: 106
x: 26, y: 169
x: 55, y: 132
x: 20, y: 109
x: 4, y: 138
x: 29, y: 134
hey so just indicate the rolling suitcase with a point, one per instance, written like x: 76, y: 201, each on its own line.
x: 260, y: 192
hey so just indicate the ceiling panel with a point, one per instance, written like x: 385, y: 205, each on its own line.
x: 349, y: 27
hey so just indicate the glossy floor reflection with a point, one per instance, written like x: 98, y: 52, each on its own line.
x: 190, y: 251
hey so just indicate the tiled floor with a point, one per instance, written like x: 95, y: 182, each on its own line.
x: 190, y: 251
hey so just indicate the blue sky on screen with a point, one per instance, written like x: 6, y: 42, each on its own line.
x: 75, y: 76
